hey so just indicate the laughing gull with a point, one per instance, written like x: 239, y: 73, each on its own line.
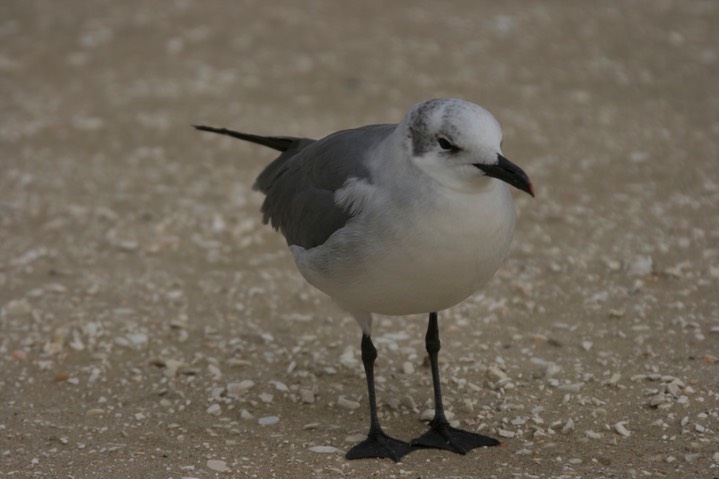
x: 396, y: 219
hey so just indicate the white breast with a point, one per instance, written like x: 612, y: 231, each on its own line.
x: 425, y: 257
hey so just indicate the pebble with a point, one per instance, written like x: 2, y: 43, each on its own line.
x: 282, y: 387
x: 408, y: 402
x: 495, y: 374
x: 216, y: 393
x: 214, y: 409
x: 171, y: 367
x: 408, y: 367
x: 657, y: 400
x: 347, y: 403
x: 236, y: 390
x: 674, y: 389
x: 246, y: 415
x: 613, y: 264
x: 506, y: 433
x: 621, y: 430
x: 19, y: 355
x: 217, y: 465
x: 571, y: 388
x: 549, y: 368
x: 214, y: 371
x: 392, y: 402
x: 498, y: 377
x: 568, y: 426
x: 137, y: 338
x: 640, y: 265
x: 348, y: 357
x: 77, y: 343
x: 18, y: 307
x: 354, y: 438
x: 325, y: 449
x: 268, y: 420
x: 307, y: 396
x: 428, y: 415
x: 127, y: 245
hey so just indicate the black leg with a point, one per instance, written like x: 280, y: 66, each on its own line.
x: 378, y: 444
x: 441, y: 435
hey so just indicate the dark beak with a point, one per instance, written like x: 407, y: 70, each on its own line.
x: 508, y: 172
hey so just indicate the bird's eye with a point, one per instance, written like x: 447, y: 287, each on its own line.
x: 445, y: 144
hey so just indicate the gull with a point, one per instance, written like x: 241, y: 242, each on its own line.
x: 396, y: 219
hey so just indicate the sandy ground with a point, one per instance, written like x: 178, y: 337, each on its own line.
x: 150, y: 326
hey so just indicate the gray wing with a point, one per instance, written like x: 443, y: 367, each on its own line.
x: 300, y: 184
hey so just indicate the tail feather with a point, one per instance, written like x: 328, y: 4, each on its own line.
x: 289, y: 146
x: 279, y: 143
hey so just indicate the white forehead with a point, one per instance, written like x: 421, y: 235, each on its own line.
x: 466, y: 124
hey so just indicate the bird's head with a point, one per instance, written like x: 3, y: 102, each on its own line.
x: 458, y: 144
